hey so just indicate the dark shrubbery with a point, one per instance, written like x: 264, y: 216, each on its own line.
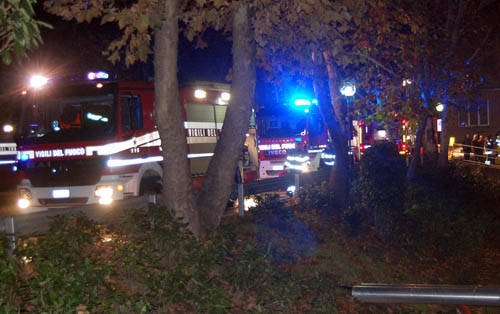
x: 377, y: 196
x: 425, y: 214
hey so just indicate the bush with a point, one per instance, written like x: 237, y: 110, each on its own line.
x: 9, y: 278
x: 377, y: 193
x: 62, y: 274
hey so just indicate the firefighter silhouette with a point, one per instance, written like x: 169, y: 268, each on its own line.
x: 70, y: 118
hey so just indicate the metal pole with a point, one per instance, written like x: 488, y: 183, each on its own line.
x: 297, y: 183
x: 427, y: 294
x: 241, y: 194
x: 11, y: 233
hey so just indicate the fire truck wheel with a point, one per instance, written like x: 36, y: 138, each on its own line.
x: 150, y: 185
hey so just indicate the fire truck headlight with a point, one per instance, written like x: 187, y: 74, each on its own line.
x: 23, y: 203
x: 24, y: 198
x: 200, y: 94
x: 105, y: 194
x: 225, y: 96
x: 7, y: 128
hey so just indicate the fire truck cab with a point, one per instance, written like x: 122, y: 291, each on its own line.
x: 283, y: 129
x: 95, y: 140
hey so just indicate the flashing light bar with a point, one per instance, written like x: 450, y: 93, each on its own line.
x: 278, y: 168
x: 97, y: 75
x: 7, y: 162
x: 330, y: 163
x: 302, y: 102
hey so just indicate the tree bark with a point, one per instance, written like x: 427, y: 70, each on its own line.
x: 216, y: 188
x: 415, y: 157
x: 339, y: 179
x: 177, y: 186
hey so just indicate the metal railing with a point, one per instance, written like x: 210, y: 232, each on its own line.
x: 478, y: 155
x: 427, y: 294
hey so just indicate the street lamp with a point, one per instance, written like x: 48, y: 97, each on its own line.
x: 348, y: 90
x: 439, y: 107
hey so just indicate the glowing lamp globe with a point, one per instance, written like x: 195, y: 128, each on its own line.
x: 348, y: 89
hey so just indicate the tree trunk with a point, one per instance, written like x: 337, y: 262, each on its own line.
x: 177, y: 185
x: 430, y: 144
x: 216, y: 188
x: 415, y: 157
x: 444, y: 139
x: 339, y: 180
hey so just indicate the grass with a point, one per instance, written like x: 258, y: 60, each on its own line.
x: 279, y: 258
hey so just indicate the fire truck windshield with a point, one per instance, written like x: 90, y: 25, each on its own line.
x: 289, y: 124
x: 69, y: 114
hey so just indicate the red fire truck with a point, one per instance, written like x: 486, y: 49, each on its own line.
x: 95, y: 140
x: 367, y: 134
x: 286, y: 128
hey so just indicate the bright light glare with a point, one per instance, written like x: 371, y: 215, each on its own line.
x: 440, y: 107
x: 348, y: 89
x: 99, y: 85
x: 225, y: 96
x: 105, y: 200
x: 407, y: 82
x: 302, y: 102
x: 291, y: 189
x: 382, y: 133
x: 104, y: 191
x: 23, y: 203
x: 200, y: 94
x: 8, y: 128
x: 250, y: 203
x: 37, y: 81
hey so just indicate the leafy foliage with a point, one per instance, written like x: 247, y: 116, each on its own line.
x: 19, y: 29
x: 378, y: 191
x: 9, y: 277
x: 61, y: 272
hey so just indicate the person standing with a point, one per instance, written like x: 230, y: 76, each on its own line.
x: 467, y: 146
x: 479, y: 150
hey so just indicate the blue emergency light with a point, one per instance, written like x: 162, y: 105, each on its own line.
x: 302, y: 102
x: 97, y: 75
x: 24, y: 157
